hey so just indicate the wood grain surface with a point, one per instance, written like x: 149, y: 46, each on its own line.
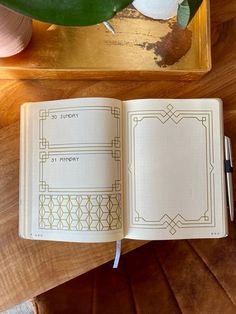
x: 28, y: 268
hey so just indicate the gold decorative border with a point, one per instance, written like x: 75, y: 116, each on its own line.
x: 45, y: 114
x: 48, y: 149
x: 205, y: 118
x: 44, y: 186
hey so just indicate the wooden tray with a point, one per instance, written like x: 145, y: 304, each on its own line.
x: 142, y: 48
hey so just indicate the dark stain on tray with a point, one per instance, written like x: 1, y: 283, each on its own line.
x: 171, y: 47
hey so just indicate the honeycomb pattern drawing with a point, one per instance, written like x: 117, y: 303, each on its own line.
x: 80, y: 212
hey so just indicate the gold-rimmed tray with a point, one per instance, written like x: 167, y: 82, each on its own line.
x: 141, y: 48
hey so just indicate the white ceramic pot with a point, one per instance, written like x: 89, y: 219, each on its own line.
x: 15, y: 32
x: 157, y: 9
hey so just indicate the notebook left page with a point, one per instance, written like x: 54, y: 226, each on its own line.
x: 71, y: 170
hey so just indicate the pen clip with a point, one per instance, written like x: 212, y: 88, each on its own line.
x: 228, y: 173
x: 230, y: 151
x: 228, y: 155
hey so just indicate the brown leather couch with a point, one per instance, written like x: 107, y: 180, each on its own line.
x: 194, y: 276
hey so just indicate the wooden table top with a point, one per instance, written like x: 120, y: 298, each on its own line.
x: 28, y: 268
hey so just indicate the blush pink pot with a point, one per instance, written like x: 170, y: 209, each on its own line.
x: 15, y: 32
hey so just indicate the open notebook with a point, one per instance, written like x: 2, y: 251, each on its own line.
x: 99, y: 169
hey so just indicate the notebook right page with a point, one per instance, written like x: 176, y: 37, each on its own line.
x: 174, y: 169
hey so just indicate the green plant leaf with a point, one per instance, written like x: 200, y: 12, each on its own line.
x: 186, y: 11
x: 68, y: 12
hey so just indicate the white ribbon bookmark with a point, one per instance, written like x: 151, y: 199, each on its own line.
x: 118, y: 253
